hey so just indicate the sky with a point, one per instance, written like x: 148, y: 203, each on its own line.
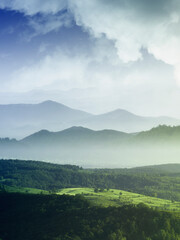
x: 96, y: 55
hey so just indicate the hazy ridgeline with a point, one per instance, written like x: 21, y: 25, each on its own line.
x: 88, y: 148
x: 20, y: 120
x: 127, y: 147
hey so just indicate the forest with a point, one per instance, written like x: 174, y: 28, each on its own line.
x: 54, y: 217
x: 161, y: 181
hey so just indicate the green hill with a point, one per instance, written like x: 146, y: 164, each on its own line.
x: 114, y: 197
x: 150, y: 181
x: 54, y: 217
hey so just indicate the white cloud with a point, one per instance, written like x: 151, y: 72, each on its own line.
x: 131, y: 29
x: 65, y: 69
x: 131, y: 24
x: 31, y: 7
x: 144, y: 87
x: 48, y: 23
x: 62, y: 70
x: 119, y: 29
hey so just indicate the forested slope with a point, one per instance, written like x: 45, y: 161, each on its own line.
x: 153, y: 181
x: 53, y: 217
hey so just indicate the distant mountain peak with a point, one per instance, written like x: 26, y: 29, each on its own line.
x: 48, y: 102
x: 120, y: 111
x: 52, y: 103
x: 42, y: 132
x: 78, y: 129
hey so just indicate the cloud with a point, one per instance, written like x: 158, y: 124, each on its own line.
x: 116, y: 65
x: 32, y: 7
x: 65, y: 68
x: 130, y: 24
x: 143, y: 87
x: 44, y: 16
x: 45, y: 23
x: 58, y: 71
x: 133, y: 24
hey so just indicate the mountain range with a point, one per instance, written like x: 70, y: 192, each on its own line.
x: 105, y: 148
x: 20, y: 120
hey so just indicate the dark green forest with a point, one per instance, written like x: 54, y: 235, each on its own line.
x: 161, y: 181
x: 53, y: 217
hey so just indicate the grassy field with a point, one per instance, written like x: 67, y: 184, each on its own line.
x: 115, y: 197
x: 112, y: 197
x: 25, y: 190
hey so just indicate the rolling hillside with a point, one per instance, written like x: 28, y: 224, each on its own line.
x: 114, y: 197
x: 52, y: 217
x: 162, y: 181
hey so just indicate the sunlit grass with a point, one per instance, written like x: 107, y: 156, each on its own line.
x: 106, y: 198
x: 114, y: 197
x: 25, y: 190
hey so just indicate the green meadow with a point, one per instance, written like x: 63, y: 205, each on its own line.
x: 114, y: 197
x: 106, y: 198
x: 12, y: 189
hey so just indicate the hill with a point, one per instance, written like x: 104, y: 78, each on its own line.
x: 164, y: 168
x: 46, y: 176
x: 114, y: 197
x: 52, y: 217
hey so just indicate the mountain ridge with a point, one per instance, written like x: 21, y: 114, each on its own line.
x: 104, y: 148
x: 20, y: 120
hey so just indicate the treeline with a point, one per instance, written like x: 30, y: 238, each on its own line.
x: 153, y: 182
x: 53, y: 217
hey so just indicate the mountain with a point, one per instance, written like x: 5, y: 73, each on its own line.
x: 19, y: 120
x: 75, y: 136
x: 125, y: 121
x: 164, y: 168
x: 80, y: 136
x: 73, y: 145
x: 105, y: 148
x: 162, y: 134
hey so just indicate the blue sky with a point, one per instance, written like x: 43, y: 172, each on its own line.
x: 21, y: 44
x: 94, y: 55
